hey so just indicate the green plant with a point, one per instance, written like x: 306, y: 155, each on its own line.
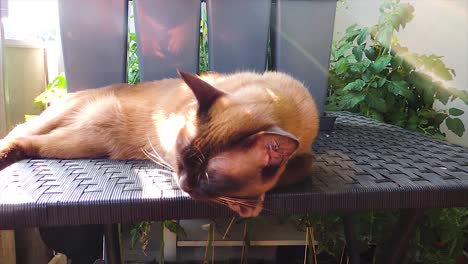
x: 372, y: 74
x: 203, y: 51
x: 133, y: 68
x: 442, y: 235
x: 140, y: 233
x: 56, y: 89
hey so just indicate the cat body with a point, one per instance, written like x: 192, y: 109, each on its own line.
x: 230, y: 138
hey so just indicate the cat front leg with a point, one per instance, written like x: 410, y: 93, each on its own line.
x: 63, y: 143
x: 9, y: 154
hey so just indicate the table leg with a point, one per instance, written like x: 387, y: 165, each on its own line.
x: 397, y: 245
x: 351, y: 241
x: 112, y: 244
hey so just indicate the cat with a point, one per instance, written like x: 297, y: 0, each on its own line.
x: 230, y: 138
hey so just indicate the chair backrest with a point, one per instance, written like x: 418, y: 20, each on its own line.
x: 94, y: 38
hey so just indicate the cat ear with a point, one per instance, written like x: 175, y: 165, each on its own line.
x: 205, y: 93
x: 278, y: 144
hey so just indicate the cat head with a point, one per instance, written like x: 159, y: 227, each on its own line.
x: 237, y: 153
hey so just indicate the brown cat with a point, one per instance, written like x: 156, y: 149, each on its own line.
x: 230, y: 138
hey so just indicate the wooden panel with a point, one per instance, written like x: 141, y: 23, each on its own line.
x: 25, y: 78
x: 7, y: 247
x: 94, y: 40
x: 168, y: 37
x: 238, y: 34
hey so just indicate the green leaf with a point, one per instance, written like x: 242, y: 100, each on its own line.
x: 453, y: 72
x: 398, y: 118
x: 439, y: 118
x: 441, y: 71
x: 455, y: 125
x: 30, y: 117
x: 357, y: 52
x: 175, y: 228
x: 384, y: 36
x: 350, y: 100
x: 456, y: 112
x: 428, y: 96
x: 359, y: 67
x: 367, y: 76
x: 341, y: 66
x: 342, y: 50
x: 413, y: 121
x: 356, y: 85
x: 400, y: 88
x: 371, y: 53
x: 376, y: 102
x: 442, y: 94
x: 458, y: 93
x: 402, y: 14
x: 440, y: 136
x: 380, y: 63
x: 351, y: 28
x: 376, y: 115
x: 363, y: 36
x: 420, y: 81
x: 381, y: 81
x: 396, y: 62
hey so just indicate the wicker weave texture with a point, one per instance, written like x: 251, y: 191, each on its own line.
x: 361, y: 165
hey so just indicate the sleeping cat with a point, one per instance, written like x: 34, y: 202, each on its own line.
x: 230, y: 138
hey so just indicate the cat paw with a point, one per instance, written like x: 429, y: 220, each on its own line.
x: 8, y: 155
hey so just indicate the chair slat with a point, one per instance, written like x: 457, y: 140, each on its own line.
x: 303, y: 33
x: 168, y: 37
x: 238, y: 34
x: 94, y: 40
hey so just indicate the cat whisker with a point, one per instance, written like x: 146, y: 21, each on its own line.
x: 156, y: 160
x: 220, y: 202
x: 156, y: 154
x: 246, y: 203
x: 233, y: 199
x: 226, y: 201
x: 207, y: 177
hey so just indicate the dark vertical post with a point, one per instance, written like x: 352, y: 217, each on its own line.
x: 94, y: 42
x: 303, y: 31
x: 397, y: 245
x: 238, y: 34
x: 351, y: 241
x: 112, y: 244
x: 167, y: 37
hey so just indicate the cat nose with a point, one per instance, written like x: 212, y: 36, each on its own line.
x: 185, y: 183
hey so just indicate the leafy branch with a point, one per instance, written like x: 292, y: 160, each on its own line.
x: 372, y: 74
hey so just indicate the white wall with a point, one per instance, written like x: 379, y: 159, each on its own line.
x: 439, y: 27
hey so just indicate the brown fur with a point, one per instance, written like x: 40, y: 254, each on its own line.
x: 228, y: 144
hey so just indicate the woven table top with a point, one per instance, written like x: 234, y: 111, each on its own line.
x: 361, y: 165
